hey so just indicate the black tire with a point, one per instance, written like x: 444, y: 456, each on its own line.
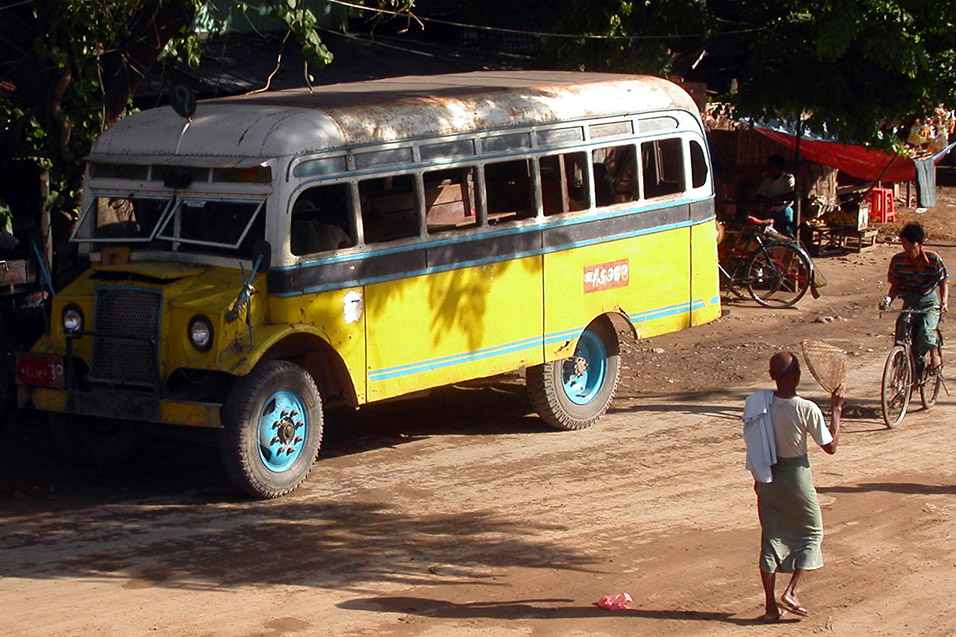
x: 734, y: 282
x: 273, y: 412
x: 573, y: 393
x: 897, y: 386
x: 929, y: 388
x: 93, y: 442
x: 778, y: 275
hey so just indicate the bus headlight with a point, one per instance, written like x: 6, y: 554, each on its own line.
x: 200, y: 333
x: 72, y: 319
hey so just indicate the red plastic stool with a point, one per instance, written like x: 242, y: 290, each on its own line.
x: 882, y: 205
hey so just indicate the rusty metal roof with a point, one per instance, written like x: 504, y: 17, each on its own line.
x: 246, y: 129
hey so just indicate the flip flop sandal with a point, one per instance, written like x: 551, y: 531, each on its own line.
x: 796, y: 609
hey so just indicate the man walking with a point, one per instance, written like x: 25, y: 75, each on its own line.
x: 776, y: 424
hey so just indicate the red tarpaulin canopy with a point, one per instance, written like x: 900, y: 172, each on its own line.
x: 858, y: 161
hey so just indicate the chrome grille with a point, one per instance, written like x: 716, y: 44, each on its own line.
x: 126, y: 336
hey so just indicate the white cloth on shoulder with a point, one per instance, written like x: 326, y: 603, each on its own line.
x: 759, y: 436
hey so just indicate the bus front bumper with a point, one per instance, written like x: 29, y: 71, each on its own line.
x: 123, y: 405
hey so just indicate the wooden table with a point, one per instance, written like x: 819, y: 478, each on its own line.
x: 859, y: 240
x: 822, y: 240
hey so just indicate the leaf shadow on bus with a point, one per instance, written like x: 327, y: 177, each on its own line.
x: 472, y: 307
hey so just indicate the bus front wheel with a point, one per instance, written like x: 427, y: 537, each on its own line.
x: 573, y: 393
x: 272, y: 429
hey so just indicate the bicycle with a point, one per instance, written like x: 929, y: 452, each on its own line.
x: 773, y: 268
x: 903, y: 372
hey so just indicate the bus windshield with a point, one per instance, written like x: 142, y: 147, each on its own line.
x: 177, y: 224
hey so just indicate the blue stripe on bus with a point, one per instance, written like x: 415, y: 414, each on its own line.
x: 448, y: 361
x: 475, y: 262
x: 515, y: 346
x: 669, y: 310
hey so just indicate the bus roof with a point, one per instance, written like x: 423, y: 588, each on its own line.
x: 250, y: 129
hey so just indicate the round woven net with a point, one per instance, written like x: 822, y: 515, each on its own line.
x: 826, y: 362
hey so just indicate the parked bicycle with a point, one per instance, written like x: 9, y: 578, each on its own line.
x: 904, y: 372
x: 775, y: 271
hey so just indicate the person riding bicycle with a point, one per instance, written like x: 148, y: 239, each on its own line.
x: 919, y: 277
x: 778, y: 192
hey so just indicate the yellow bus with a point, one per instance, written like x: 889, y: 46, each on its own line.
x: 280, y: 252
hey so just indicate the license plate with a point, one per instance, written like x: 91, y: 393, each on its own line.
x: 40, y: 369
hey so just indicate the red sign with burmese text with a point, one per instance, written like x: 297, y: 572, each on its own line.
x: 604, y: 276
x: 45, y: 370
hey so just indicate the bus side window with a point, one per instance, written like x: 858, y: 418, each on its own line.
x: 698, y: 165
x: 321, y: 220
x: 564, y: 183
x: 450, y: 199
x: 663, y: 167
x: 389, y: 208
x: 615, y: 175
x: 508, y: 188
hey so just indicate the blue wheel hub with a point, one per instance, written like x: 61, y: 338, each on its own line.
x: 282, y: 431
x: 583, y: 374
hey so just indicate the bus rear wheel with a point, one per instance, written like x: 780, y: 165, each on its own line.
x: 573, y: 393
x: 272, y: 429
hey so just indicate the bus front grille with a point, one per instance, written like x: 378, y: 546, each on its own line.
x: 126, y: 337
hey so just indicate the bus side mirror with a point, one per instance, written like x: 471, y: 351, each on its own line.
x: 262, y: 254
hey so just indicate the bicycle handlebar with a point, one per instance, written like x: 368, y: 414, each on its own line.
x: 907, y: 311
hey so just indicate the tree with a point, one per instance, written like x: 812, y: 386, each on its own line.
x: 69, y: 69
x: 625, y: 36
x: 852, y: 66
x: 67, y: 76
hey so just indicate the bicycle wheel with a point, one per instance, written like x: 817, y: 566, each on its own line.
x: 733, y: 276
x: 929, y: 388
x: 897, y: 386
x: 778, y: 275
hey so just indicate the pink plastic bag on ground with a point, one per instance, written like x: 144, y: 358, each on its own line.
x: 615, y: 602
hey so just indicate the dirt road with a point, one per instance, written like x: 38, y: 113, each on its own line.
x: 462, y: 515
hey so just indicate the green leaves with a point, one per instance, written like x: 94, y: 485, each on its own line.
x: 638, y: 37
x: 76, y: 64
x: 302, y: 23
x: 853, y: 65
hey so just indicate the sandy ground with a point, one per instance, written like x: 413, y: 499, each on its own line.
x: 464, y: 515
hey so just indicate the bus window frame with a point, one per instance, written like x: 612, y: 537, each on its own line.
x: 563, y: 180
x: 680, y: 140
x: 174, y: 215
x: 682, y: 135
x: 639, y: 195
x: 534, y: 182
